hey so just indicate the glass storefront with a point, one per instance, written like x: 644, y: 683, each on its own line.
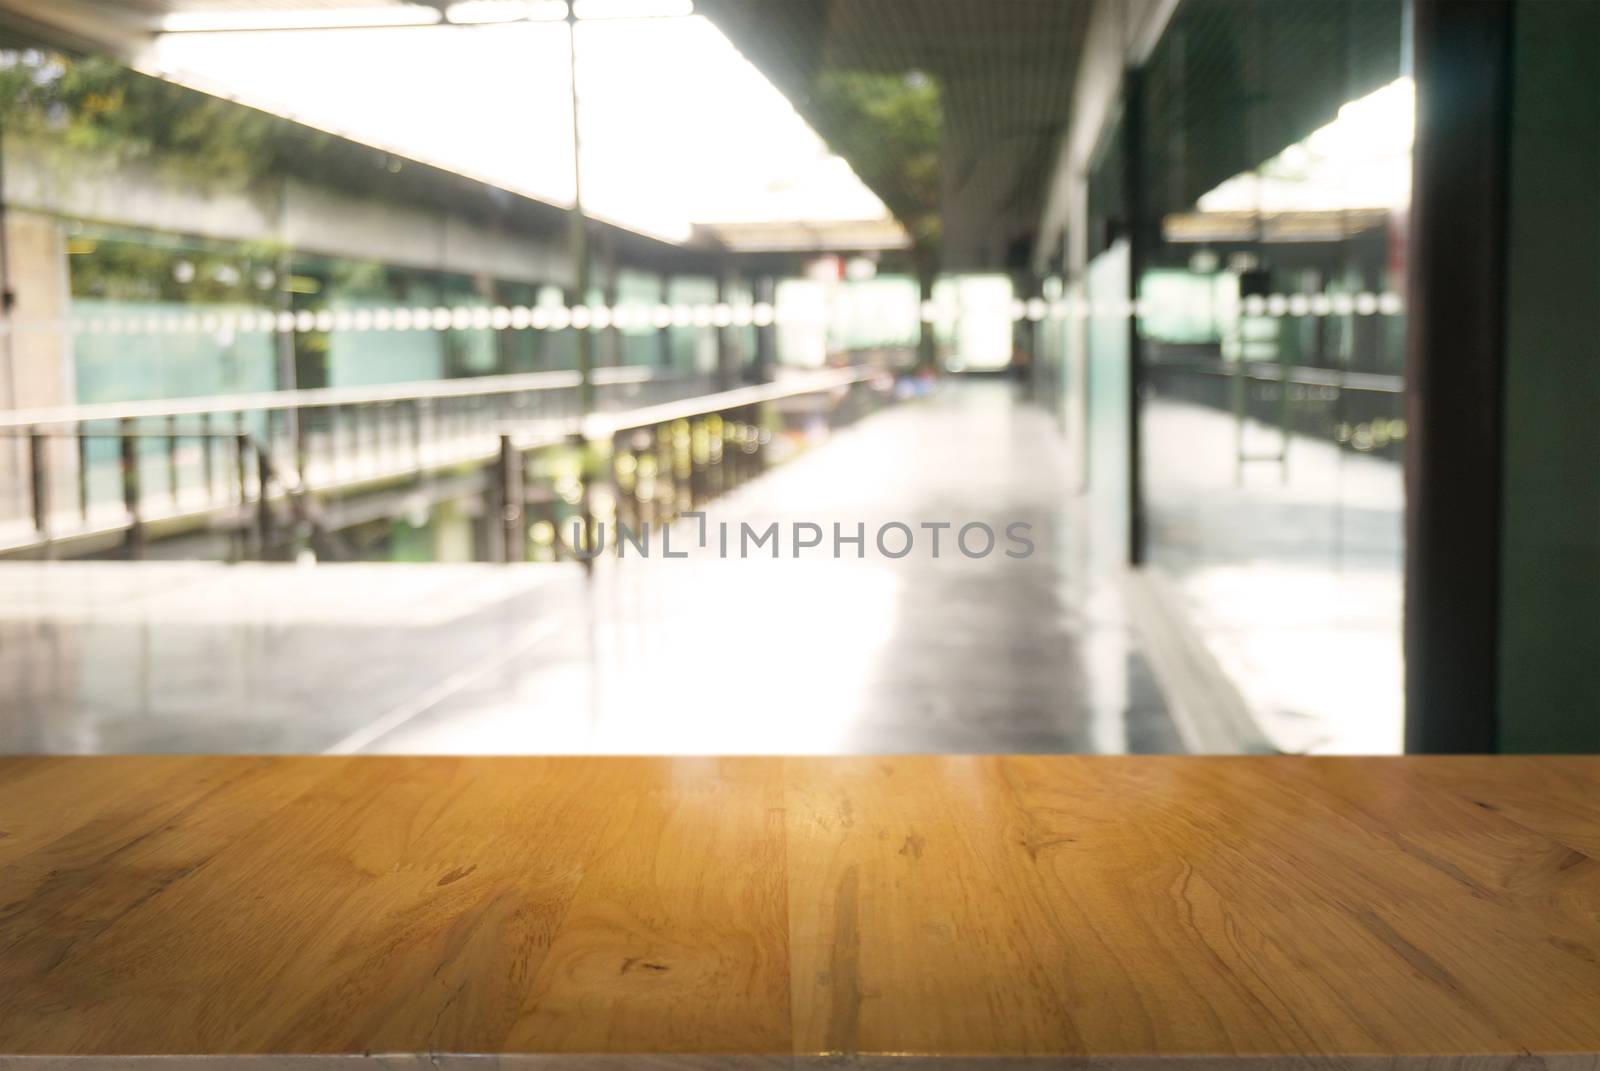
x: 1277, y: 138
x: 123, y: 276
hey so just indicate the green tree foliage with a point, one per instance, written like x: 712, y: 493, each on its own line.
x: 96, y: 108
x: 145, y: 268
x: 889, y: 127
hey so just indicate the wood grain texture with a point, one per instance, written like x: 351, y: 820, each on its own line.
x: 908, y: 912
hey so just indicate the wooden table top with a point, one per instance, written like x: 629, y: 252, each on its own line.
x: 873, y: 911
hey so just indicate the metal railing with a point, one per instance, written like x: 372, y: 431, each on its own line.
x: 1294, y: 399
x: 88, y: 470
x: 255, y: 465
x: 646, y: 466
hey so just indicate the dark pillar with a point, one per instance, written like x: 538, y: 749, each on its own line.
x: 1549, y: 679
x: 1454, y: 373
x: 1142, y: 233
x: 611, y: 338
x: 132, y: 493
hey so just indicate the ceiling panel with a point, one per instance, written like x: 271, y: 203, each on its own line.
x: 1005, y: 69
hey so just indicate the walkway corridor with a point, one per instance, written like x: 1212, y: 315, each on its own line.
x: 697, y: 655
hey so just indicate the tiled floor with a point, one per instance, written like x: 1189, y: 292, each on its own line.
x: 702, y: 654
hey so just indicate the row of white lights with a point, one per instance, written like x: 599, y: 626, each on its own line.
x: 599, y: 317
x: 1365, y: 303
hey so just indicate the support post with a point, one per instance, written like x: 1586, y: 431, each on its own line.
x: 724, y: 343
x: 512, y: 496
x: 927, y: 345
x: 81, y: 437
x: 1141, y: 233
x: 39, y: 473
x: 264, y: 523
x: 172, y: 459
x: 207, y: 444
x: 1455, y: 353
x: 578, y: 225
x: 241, y: 464
x: 766, y: 334
x: 127, y: 449
x: 664, y: 334
x: 580, y: 287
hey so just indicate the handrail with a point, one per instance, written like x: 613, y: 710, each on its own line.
x: 1300, y: 375
x: 319, y: 397
x: 498, y: 437
x: 604, y: 425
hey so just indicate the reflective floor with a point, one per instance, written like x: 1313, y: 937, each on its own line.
x: 1292, y: 575
x: 700, y: 654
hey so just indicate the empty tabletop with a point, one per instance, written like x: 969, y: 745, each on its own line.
x: 929, y: 911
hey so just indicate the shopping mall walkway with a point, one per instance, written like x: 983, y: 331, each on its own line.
x: 702, y: 654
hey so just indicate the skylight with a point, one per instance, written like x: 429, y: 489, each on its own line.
x: 678, y: 128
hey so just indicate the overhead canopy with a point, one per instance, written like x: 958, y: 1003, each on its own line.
x: 1003, y: 71
x: 682, y: 138
x: 1234, y: 83
x: 949, y: 110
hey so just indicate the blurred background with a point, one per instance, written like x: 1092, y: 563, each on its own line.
x: 336, y: 333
